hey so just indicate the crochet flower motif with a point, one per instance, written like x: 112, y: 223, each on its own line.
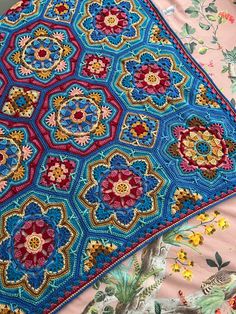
x: 121, y: 190
x: 58, y: 173
x: 96, y: 66
x: 139, y: 130
x: 42, y: 53
x: 152, y: 80
x: 97, y: 253
x: 9, y: 309
x: 61, y: 10
x: 202, y: 147
x: 15, y: 156
x: 185, y: 199
x: 21, y: 102
x: 111, y: 22
x: 80, y: 117
x: 20, y: 10
x: 206, y: 97
x: 158, y: 36
x: 34, y: 246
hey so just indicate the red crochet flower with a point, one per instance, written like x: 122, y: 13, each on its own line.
x: 18, y: 7
x: 111, y: 20
x: 152, y: 79
x: 34, y: 243
x: 121, y: 188
x: 58, y: 173
x: 96, y: 66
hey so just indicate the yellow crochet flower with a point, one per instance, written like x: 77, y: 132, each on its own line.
x: 19, y: 173
x: 100, y: 130
x: 18, y: 136
x: 61, y: 136
x: 195, y: 239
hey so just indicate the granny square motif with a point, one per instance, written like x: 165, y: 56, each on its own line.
x: 110, y: 134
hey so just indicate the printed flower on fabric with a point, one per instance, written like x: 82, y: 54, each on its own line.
x: 35, y: 245
x: 81, y: 118
x: 21, y: 102
x: 152, y: 79
x: 202, y: 147
x: 97, y: 253
x: 96, y: 66
x: 61, y: 10
x: 111, y: 22
x: 120, y: 190
x: 58, y: 173
x: 21, y: 10
x: 139, y: 130
x: 42, y: 53
x: 16, y: 154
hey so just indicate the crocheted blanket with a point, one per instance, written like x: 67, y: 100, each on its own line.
x: 110, y: 134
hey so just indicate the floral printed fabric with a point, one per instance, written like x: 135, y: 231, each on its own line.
x: 110, y: 134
